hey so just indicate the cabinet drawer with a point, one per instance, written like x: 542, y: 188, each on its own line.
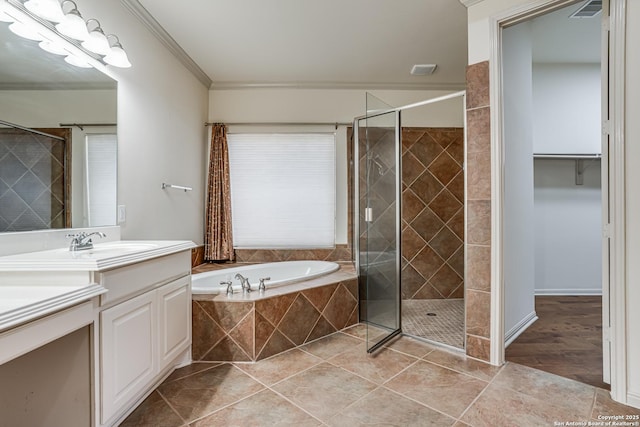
x: 127, y: 281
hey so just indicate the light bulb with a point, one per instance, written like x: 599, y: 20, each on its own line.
x: 25, y: 31
x: 96, y: 41
x: 51, y: 10
x: 73, y: 25
x: 52, y: 47
x: 116, y: 56
x: 78, y: 62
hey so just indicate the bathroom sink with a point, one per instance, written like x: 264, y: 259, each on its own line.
x: 102, y: 256
x: 104, y: 249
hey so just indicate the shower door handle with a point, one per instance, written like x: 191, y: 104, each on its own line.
x: 368, y: 215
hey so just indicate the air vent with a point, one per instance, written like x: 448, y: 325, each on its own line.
x: 423, y: 69
x: 588, y: 10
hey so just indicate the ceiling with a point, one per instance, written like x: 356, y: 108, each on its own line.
x: 318, y: 44
x: 557, y: 38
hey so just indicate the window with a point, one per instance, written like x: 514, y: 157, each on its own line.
x: 282, y: 190
x: 102, y: 152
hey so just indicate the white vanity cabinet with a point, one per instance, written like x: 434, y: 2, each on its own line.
x: 130, y: 299
x: 145, y: 330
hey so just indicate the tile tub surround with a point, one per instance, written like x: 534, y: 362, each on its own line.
x: 255, y: 326
x: 321, y: 384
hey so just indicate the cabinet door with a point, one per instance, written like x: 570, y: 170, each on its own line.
x: 129, y: 359
x: 174, y: 305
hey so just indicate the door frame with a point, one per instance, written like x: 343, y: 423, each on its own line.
x: 616, y: 227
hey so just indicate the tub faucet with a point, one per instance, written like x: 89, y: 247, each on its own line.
x: 244, y: 282
x: 262, y: 287
x: 229, y: 286
x: 82, y: 241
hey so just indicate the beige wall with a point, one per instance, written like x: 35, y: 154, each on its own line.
x: 161, y: 137
x: 327, y: 106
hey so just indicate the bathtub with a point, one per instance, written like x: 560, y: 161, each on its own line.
x: 281, y: 273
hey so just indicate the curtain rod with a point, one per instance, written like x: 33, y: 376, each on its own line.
x: 336, y: 124
x: 84, y: 125
x: 26, y: 129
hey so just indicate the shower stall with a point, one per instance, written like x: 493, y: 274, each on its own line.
x: 409, y: 221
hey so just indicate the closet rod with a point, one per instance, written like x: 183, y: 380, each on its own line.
x: 336, y: 124
x: 566, y: 156
x: 84, y: 125
x: 26, y: 129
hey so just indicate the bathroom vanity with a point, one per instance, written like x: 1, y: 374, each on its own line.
x: 124, y: 310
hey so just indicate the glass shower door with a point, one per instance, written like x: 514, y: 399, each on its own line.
x: 378, y: 154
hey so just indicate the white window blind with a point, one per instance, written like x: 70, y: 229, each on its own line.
x: 282, y: 190
x: 102, y: 153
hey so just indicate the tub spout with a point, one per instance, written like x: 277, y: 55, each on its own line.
x: 244, y: 282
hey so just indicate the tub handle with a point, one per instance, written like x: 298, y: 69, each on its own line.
x: 261, y: 287
x: 229, y: 286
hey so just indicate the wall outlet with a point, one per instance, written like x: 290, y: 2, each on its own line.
x: 122, y: 214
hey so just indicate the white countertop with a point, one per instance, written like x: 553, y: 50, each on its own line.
x: 25, y: 297
x: 103, y: 256
x: 21, y: 304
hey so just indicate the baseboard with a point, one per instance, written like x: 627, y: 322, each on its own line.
x: 568, y: 292
x: 633, y: 399
x: 518, y: 329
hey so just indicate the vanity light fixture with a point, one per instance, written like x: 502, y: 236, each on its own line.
x: 116, y: 56
x: 51, y: 47
x: 96, y: 41
x: 77, y: 61
x: 25, y: 31
x: 5, y: 18
x: 60, y: 29
x: 51, y: 10
x: 73, y: 25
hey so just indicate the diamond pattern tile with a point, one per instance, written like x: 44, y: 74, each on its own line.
x: 31, y: 168
x: 433, y: 208
x: 250, y: 331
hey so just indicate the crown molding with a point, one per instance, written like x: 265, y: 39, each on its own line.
x: 339, y: 85
x: 163, y: 36
x: 469, y: 3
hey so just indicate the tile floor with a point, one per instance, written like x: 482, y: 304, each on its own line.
x: 333, y: 382
x: 440, y: 320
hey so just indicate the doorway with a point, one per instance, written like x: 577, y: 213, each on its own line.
x: 554, y: 176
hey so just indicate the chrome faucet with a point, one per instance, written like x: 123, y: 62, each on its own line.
x: 262, y: 287
x: 82, y: 241
x: 244, y: 282
x: 229, y: 286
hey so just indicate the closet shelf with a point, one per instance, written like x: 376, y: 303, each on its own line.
x: 580, y: 165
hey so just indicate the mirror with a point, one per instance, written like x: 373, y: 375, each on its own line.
x: 46, y: 182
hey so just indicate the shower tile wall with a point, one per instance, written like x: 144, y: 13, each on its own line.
x: 478, y: 294
x: 32, y: 184
x: 432, y: 213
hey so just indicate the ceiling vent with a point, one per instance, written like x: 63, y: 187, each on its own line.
x: 588, y: 10
x: 423, y: 69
